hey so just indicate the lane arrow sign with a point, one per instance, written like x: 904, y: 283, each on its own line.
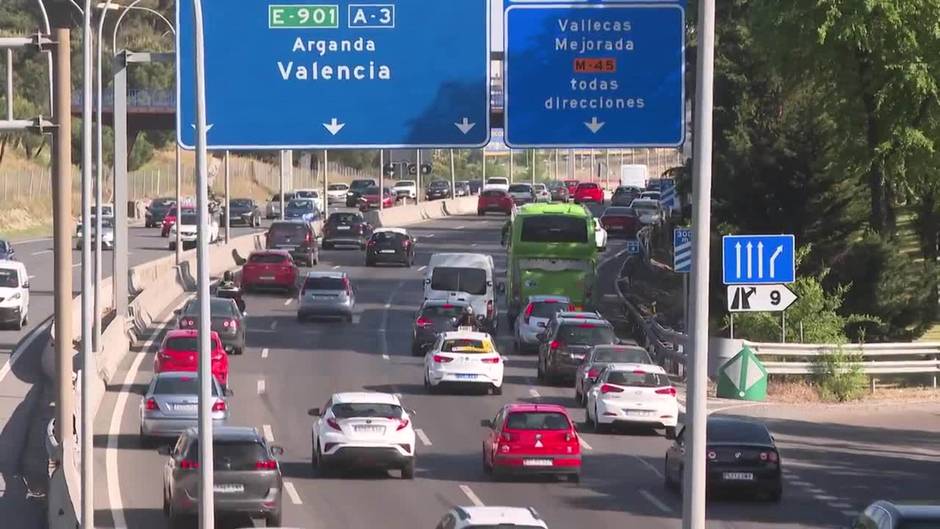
x: 594, y: 125
x: 464, y: 125
x: 759, y: 298
x: 333, y: 126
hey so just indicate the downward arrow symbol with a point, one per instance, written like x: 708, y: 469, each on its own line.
x: 464, y: 125
x: 208, y: 126
x: 594, y: 125
x: 333, y: 127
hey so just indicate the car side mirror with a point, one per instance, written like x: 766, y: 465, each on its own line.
x: 411, y: 412
x: 486, y: 423
x: 165, y: 450
x: 277, y: 451
x: 26, y: 285
x: 313, y: 412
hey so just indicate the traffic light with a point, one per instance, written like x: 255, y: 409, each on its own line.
x: 425, y: 168
x: 412, y: 169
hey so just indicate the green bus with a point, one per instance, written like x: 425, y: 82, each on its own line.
x: 551, y: 250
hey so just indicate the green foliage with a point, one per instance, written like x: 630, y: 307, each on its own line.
x: 839, y: 375
x: 140, y: 154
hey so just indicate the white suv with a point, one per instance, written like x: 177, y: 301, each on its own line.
x: 363, y: 426
x: 489, y: 517
x: 405, y: 189
x: 464, y: 358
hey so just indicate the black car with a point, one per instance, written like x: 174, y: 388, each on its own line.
x: 558, y: 190
x: 893, y: 515
x: 624, y: 195
x: 356, y: 190
x: 346, y: 228
x: 6, y: 251
x: 225, y: 318
x: 741, y: 457
x: 475, y: 186
x: 244, y: 211
x: 295, y: 236
x: 437, y: 189
x: 158, y: 209
x: 390, y: 245
x: 433, y: 318
x: 567, y: 341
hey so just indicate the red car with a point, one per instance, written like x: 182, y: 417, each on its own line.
x: 370, y: 199
x: 269, y: 268
x: 588, y: 192
x: 532, y: 439
x: 572, y: 185
x: 178, y: 353
x: 495, y: 200
x: 620, y: 222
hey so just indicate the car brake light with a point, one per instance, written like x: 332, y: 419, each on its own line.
x: 493, y: 360
x: 371, y: 242
x: 554, y: 345
x: 151, y: 404
x: 333, y: 424
x: 769, y: 456
x: 402, y: 424
x: 528, y: 311
x: 266, y: 464
x: 671, y: 391
x: 188, y: 464
x: 489, y: 309
x: 308, y: 237
x: 423, y: 322
x: 607, y: 388
x: 219, y: 406
x: 439, y: 359
x: 585, y: 326
x: 712, y: 455
x: 570, y: 437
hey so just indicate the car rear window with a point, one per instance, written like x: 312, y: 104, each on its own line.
x: 554, y: 228
x: 439, y: 183
x: 162, y: 202
x: 343, y: 218
x: 188, y: 219
x: 8, y: 278
x: 520, y: 188
x: 442, y: 311
x: 737, y: 432
x: 337, y: 187
x: 240, y: 202
x: 404, y: 183
x: 458, y: 279
x: 182, y: 343
x: 465, y: 345
x: 308, y: 194
x: 360, y: 184
x: 494, y: 193
x: 537, y: 420
x: 277, y: 198
x: 547, y: 309
x: 637, y: 379
x: 324, y: 283
x: 281, y: 231
x: 349, y: 410
x: 587, y: 186
x: 180, y: 386
x: 385, y: 236
x: 232, y: 455
x: 625, y: 356
x: 217, y: 307
x: 586, y: 334
x: 268, y: 258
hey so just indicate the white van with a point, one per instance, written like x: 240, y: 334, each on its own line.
x: 14, y: 294
x: 466, y: 277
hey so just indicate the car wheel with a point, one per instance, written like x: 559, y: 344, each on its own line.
x: 578, y: 398
x: 370, y: 262
x: 349, y: 318
x: 539, y: 372
x: 427, y: 384
x: 487, y: 468
x: 575, y: 478
x: 479, y: 213
x: 172, y: 246
x: 669, y: 483
x: 408, y: 471
x: 238, y: 351
x: 670, y: 432
x: 166, y: 505
x: 415, y: 350
x: 25, y: 320
x: 18, y: 325
x: 598, y: 427
x: 776, y: 494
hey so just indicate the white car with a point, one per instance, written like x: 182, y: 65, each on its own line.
x: 336, y: 193
x: 187, y: 227
x: 639, y: 394
x: 496, y: 182
x: 107, y: 210
x: 534, y: 320
x: 652, y: 195
x: 107, y: 233
x: 649, y: 211
x: 489, y: 517
x: 600, y: 235
x: 465, y: 358
x: 363, y: 426
x: 14, y: 294
x: 405, y: 189
x: 312, y: 194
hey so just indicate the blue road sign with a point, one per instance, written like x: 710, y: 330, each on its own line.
x: 682, y: 250
x: 284, y: 74
x: 758, y: 259
x: 594, y: 75
x: 633, y: 247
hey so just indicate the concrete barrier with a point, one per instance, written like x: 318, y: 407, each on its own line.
x: 410, y: 214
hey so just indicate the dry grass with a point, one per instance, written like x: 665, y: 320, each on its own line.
x: 799, y: 392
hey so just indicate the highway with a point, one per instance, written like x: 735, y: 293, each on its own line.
x: 290, y: 367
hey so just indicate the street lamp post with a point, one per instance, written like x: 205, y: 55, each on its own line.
x: 86, y: 419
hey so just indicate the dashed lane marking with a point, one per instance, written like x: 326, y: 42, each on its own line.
x: 41, y: 252
x: 268, y: 433
x: 385, y: 357
x: 460, y: 227
x: 292, y: 493
x: 261, y: 388
x: 288, y: 301
x: 659, y: 504
x: 534, y: 392
x: 474, y: 499
x: 422, y: 269
x: 274, y: 325
x: 648, y: 465
x: 264, y: 353
x: 423, y: 437
x: 584, y: 444
x: 336, y: 267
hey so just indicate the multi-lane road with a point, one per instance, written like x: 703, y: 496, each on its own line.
x: 290, y: 367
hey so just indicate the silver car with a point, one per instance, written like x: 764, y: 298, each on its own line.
x: 326, y: 294
x: 107, y: 233
x: 169, y: 406
x: 600, y: 357
x: 542, y: 194
x: 534, y: 318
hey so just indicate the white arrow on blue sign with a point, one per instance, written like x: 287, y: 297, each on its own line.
x: 758, y: 259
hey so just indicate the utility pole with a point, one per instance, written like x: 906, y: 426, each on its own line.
x: 381, y: 179
x: 179, y: 203
x: 512, y: 164
x: 88, y: 317
x: 453, y: 174
x: 283, y: 176
x: 228, y: 198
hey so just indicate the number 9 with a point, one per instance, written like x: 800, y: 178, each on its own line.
x: 775, y: 297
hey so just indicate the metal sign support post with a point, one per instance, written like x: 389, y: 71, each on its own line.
x: 570, y: 163
x: 484, y: 166
x: 382, y: 178
x: 693, y: 499
x: 418, y: 175
x: 535, y: 163
x: 179, y: 201
x: 453, y: 175
x: 555, y: 169
x: 607, y: 167
x: 87, y: 371
x: 512, y: 164
x: 282, y: 176
x: 228, y: 198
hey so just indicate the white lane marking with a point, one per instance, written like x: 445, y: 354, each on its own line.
x: 261, y: 388
x: 292, y: 493
x: 648, y: 465
x: 264, y: 353
x: 274, y: 325
x: 460, y: 227
x: 385, y: 357
x: 76, y: 265
x: 474, y: 245
x: 800, y: 483
x: 534, y: 392
x: 22, y: 347
x: 827, y: 498
x: 474, y: 499
x: 816, y: 491
x: 288, y: 301
x: 423, y: 437
x: 584, y: 444
x: 429, y: 235
x: 383, y: 339
x: 268, y: 433
x: 32, y: 277
x: 655, y: 501
x: 41, y: 252
x: 422, y: 269
x: 336, y: 267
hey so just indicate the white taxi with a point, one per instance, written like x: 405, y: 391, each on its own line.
x: 639, y: 394
x: 464, y: 358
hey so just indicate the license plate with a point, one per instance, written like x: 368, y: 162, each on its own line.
x: 267, y: 278
x: 466, y: 376
x: 184, y: 407
x: 386, y: 251
x: 537, y: 462
x: 639, y: 413
x: 342, y: 228
x: 366, y: 428
x: 229, y: 488
x: 738, y: 476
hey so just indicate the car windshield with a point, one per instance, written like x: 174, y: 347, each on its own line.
x: 554, y: 228
x: 361, y: 184
x: 337, y: 187
x: 349, y: 410
x: 587, y: 186
x: 547, y: 309
x: 268, y: 258
x: 638, y: 379
x: 324, y: 283
x: 188, y: 219
x: 240, y: 203
x: 287, y: 197
x: 300, y: 203
x: 217, y: 307
x: 232, y: 455
x: 459, y: 279
x: 184, y: 385
x: 625, y: 356
x: 442, y: 311
x: 539, y: 187
x: 538, y: 420
x: 344, y: 218
x: 737, y: 432
x: 465, y: 345
x: 439, y: 184
x: 586, y: 334
x: 8, y: 278
x: 520, y: 188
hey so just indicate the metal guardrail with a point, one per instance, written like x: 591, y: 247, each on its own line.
x: 151, y: 99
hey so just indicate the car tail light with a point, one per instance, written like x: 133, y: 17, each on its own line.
x: 528, y: 312
x: 712, y: 455
x: 188, y: 464
x: 493, y: 360
x: 406, y: 243
x: 334, y: 425
x: 308, y: 237
x: 570, y: 436
x: 607, y: 388
x: 440, y: 359
x: 347, y: 286
x: 489, y: 309
x: 402, y: 424
x: 229, y: 324
x: 188, y: 323
x: 554, y: 345
x: 671, y: 391
x: 219, y: 406
x: 217, y: 353
x: 371, y: 243
x: 593, y: 372
x: 769, y: 456
x: 423, y: 322
x: 266, y: 464
x: 151, y: 404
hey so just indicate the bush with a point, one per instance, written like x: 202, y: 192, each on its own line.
x: 839, y: 375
